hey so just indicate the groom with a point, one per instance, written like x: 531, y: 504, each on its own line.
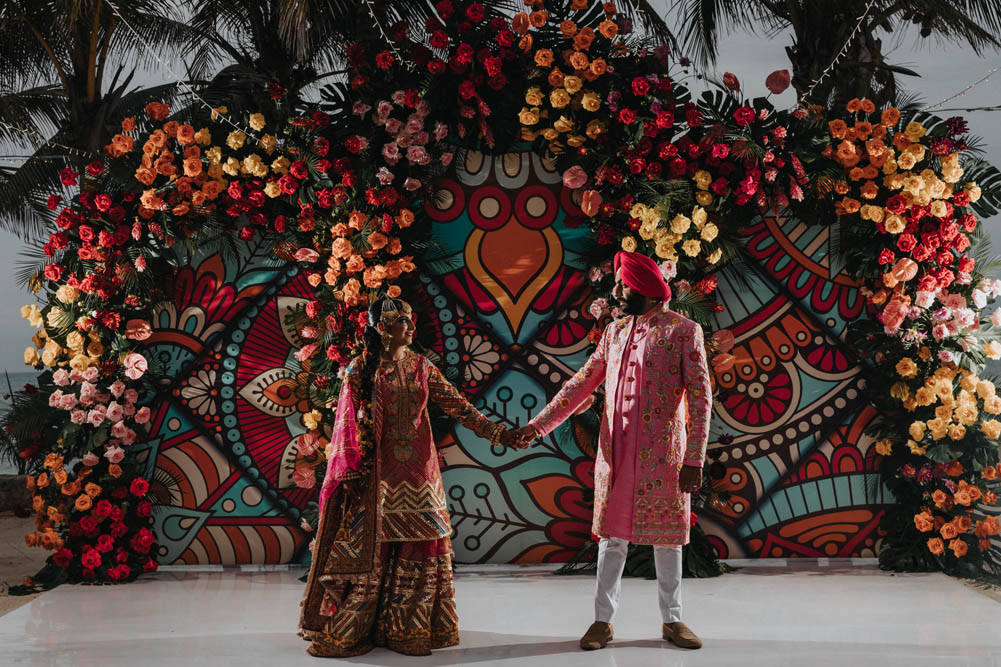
x: 653, y: 366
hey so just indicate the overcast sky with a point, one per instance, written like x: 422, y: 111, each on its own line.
x: 944, y: 70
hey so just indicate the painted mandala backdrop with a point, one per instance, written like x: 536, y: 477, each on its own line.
x: 505, y: 292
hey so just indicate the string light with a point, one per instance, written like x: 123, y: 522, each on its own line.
x: 842, y: 52
x: 389, y: 42
x: 47, y: 142
x: 179, y: 80
x: 984, y: 78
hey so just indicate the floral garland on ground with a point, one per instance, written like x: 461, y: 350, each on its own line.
x: 913, y: 207
x: 650, y: 169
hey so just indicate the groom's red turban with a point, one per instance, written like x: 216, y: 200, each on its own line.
x: 641, y: 274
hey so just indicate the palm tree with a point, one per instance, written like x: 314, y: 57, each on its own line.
x: 55, y: 88
x: 822, y: 27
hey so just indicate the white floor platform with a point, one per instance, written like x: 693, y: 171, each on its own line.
x: 828, y: 613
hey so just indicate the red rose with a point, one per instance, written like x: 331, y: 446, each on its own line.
x: 150, y: 566
x: 720, y: 186
x: 960, y: 243
x: 886, y: 256
x: 384, y: 60
x: 640, y: 86
x: 103, y: 508
x: 299, y: 169
x: 906, y: 242
x: 105, y: 543
x: 118, y: 529
x: 53, y: 202
x: 287, y: 184
x: 896, y: 204
x: 349, y: 179
x: 313, y: 309
x: 439, y: 39
x: 325, y: 198
x: 53, y: 272
x: 968, y: 221
x: 68, y: 176
x: 693, y: 117
x: 637, y: 165
x: 436, y: 66
x: 139, y: 487
x: 744, y: 116
x: 475, y: 13
x: 467, y: 90
x: 95, y: 169
x: 928, y: 283
x: 88, y: 523
x: 105, y: 239
x: 90, y: 558
x: 321, y: 119
x: 961, y: 199
x: 116, y: 213
x: 321, y: 147
x: 505, y: 37
x: 497, y: 82
x: 966, y: 264
x: 922, y: 253
x: 62, y: 558
x: 86, y: 233
x: 627, y: 116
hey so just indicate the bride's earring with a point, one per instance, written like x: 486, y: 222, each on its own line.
x: 386, y: 337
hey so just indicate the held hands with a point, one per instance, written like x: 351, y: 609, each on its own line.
x: 519, y: 438
x: 690, y: 479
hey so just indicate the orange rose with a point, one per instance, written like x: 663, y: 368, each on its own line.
x: 846, y: 151
x: 862, y: 129
x: 990, y: 473
x: 377, y: 240
x: 43, y: 480
x: 31, y: 539
x: 609, y: 8
x: 212, y: 189
x: 357, y: 220
x: 351, y: 292
x: 936, y: 546
x: 192, y: 166
x: 890, y: 116
x: 92, y: 490
x: 598, y: 66
x: 949, y: 531
x: 185, y: 134
x: 393, y: 291
x: 959, y: 547
x: 115, y: 470
x: 850, y: 205
x: 538, y: 18
x: 578, y: 5
x: 405, y: 218
x: 128, y: 124
x: 608, y: 29
x: 964, y: 523
x: 963, y: 497
x: 72, y: 488
x: 870, y: 172
x: 355, y: 264
x: 157, y: 111
x: 854, y: 105
x: 868, y: 106
x: 578, y: 60
x: 83, y: 502
x: 170, y: 128
x: 525, y: 43
x: 923, y: 522
x: 900, y: 141
x: 122, y: 144
x: 60, y: 477
x: 869, y: 190
x: 29, y: 481
x: 38, y: 503
x: 181, y: 209
x: 838, y: 128
x: 939, y: 498
x: 556, y: 78
x: 145, y: 175
x: 583, y: 39
x: 568, y: 28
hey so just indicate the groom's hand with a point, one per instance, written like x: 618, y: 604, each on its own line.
x: 524, y: 435
x: 515, y: 438
x: 690, y: 479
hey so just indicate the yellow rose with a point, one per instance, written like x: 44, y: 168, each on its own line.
x: 95, y: 349
x: 49, y: 358
x: 312, y: 419
x: 883, y: 447
x: 30, y: 356
x: 576, y: 140
x: 268, y: 143
x: 257, y: 121
x: 235, y: 139
x: 709, y: 232
x: 67, y: 294
x: 924, y: 396
x: 973, y: 190
x: 957, y: 432
x: 534, y: 96
x: 563, y: 124
x: 549, y: 134
x: 893, y: 181
x: 967, y: 415
x: 680, y: 224
x: 665, y: 250
x: 906, y: 368
x: 890, y: 166
x: 907, y: 161
x: 215, y: 172
x: 986, y: 389
x: 703, y: 198
x: 219, y: 111
x: 272, y: 189
x: 39, y: 338
x: 572, y: 84
x: 590, y: 101
x: 992, y: 405
x: 938, y: 208
x: 699, y: 217
x: 894, y: 224
x: 692, y: 247
x: 629, y: 244
x: 528, y: 116
x: 938, y: 189
x: 647, y: 231
x: 203, y: 137
x: 232, y: 166
x: 702, y: 179
x: 916, y: 449
x: 952, y: 174
x: 33, y: 315
x: 715, y: 256
x: 594, y: 128
x: 280, y: 165
x: 991, y: 428
x: 559, y: 98
x: 80, y: 362
x: 914, y: 130
x: 917, y: 430
x: 214, y: 155
x: 993, y: 349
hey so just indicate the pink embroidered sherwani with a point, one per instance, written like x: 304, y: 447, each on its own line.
x: 655, y: 375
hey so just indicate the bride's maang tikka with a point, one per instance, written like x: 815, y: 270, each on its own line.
x: 391, y: 312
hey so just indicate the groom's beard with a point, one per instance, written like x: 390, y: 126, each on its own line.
x: 632, y: 304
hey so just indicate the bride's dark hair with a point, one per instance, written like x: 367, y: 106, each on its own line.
x: 373, y: 342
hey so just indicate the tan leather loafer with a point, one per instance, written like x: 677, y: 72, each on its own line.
x: 681, y: 635
x: 597, y: 636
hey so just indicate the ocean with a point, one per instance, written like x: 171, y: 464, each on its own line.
x: 17, y: 381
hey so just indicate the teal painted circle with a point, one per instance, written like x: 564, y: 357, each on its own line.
x: 238, y: 336
x: 244, y: 461
x: 244, y: 323
x: 272, y: 494
x: 449, y: 329
x: 445, y: 316
x: 255, y: 475
x: 528, y: 401
x: 227, y: 392
x: 228, y: 407
x: 452, y: 358
x: 229, y: 364
x: 433, y: 289
x: 232, y: 349
x: 440, y: 302
x: 229, y: 421
x: 293, y: 270
x: 233, y: 434
x: 239, y: 448
x: 451, y: 344
x: 505, y: 394
x: 228, y: 378
x: 252, y: 311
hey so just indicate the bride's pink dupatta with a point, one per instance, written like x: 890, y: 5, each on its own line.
x: 344, y: 452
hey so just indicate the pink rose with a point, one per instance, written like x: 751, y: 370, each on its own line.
x: 90, y: 375
x: 118, y: 430
x: 391, y: 152
x: 67, y: 402
x: 306, y: 255
x: 574, y: 177
x: 306, y: 352
x: 115, y: 413
x: 996, y: 318
x: 440, y: 131
x: 87, y: 390
x: 360, y: 109
x: 90, y: 459
x: 979, y: 298
x: 61, y: 378
x: 131, y: 395
x: 417, y: 155
x: 54, y: 398
x: 129, y: 437
x: 96, y: 416
x: 414, y: 125
x: 76, y: 376
x: 385, y: 176
x: 924, y: 299
x: 135, y: 365
x: 384, y: 109
x: 940, y: 331
x: 114, y: 454
x: 952, y: 301
x: 78, y: 417
x: 117, y: 388
x: 446, y: 159
x: 669, y: 270
x: 423, y: 108
x: 393, y: 126
x: 129, y: 409
x: 945, y: 356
